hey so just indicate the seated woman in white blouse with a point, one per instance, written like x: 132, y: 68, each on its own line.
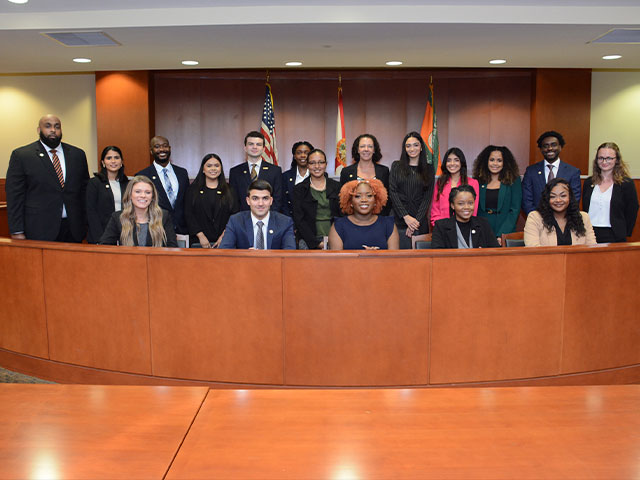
x: 609, y: 196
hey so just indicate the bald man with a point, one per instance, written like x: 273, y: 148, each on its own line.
x: 170, y: 180
x: 46, y: 184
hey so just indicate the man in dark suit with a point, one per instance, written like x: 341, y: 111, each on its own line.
x: 46, y: 187
x: 539, y: 174
x: 247, y: 229
x: 242, y: 175
x: 170, y: 180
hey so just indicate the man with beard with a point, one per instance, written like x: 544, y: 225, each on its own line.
x: 46, y: 184
x: 539, y: 174
x: 170, y: 180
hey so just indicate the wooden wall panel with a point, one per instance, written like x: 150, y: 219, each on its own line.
x: 124, y: 116
x: 562, y: 102
x: 217, y: 318
x: 356, y: 321
x: 496, y: 318
x: 601, y: 327
x: 97, y: 309
x: 23, y: 324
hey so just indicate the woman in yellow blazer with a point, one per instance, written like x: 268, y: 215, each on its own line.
x: 558, y: 219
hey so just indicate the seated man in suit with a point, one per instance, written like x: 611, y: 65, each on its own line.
x: 170, y: 180
x: 539, y: 174
x: 247, y: 229
x: 255, y: 167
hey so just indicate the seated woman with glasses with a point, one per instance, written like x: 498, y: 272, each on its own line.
x: 316, y: 203
x: 609, y: 196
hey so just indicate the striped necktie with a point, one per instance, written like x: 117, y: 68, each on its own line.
x: 169, y: 187
x: 57, y: 167
x: 260, y: 236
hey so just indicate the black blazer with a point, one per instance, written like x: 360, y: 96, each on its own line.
x: 445, y: 236
x: 177, y: 211
x: 100, y: 204
x: 623, y: 209
x: 111, y: 235
x: 288, y: 185
x: 305, y: 208
x: 205, y: 217
x: 35, y: 197
x: 240, y: 179
x: 382, y: 173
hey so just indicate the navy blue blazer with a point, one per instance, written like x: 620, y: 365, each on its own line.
x: 534, y: 181
x: 623, y: 209
x: 177, y: 211
x: 240, y: 179
x: 239, y: 232
x: 288, y: 185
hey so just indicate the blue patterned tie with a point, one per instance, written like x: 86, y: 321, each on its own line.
x: 260, y: 236
x: 169, y: 188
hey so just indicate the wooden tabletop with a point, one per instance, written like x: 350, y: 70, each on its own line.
x: 484, y: 433
x: 93, y: 432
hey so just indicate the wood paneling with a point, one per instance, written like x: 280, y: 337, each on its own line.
x: 489, y: 322
x: 125, y: 116
x: 93, y: 432
x: 500, y: 433
x: 562, y: 102
x: 370, y: 328
x: 223, y: 323
x: 97, y: 309
x: 23, y: 323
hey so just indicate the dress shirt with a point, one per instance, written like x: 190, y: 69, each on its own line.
x: 116, y: 191
x: 600, y: 207
x: 300, y: 178
x: 172, y: 177
x: 63, y: 166
x: 547, y: 170
x: 258, y: 164
x: 265, y: 228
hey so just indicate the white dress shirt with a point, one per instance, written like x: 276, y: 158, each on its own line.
x: 63, y: 166
x: 547, y: 170
x: 172, y: 177
x: 600, y: 207
x: 265, y: 227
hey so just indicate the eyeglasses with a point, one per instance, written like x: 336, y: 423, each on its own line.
x: 606, y: 159
x: 313, y: 164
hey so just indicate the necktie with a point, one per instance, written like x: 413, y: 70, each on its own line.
x: 551, y: 175
x: 254, y: 174
x: 260, y: 236
x: 57, y: 167
x: 167, y: 182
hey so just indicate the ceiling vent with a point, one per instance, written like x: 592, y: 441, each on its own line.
x: 619, y: 35
x: 82, y: 39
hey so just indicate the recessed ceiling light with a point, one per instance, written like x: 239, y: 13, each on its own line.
x: 82, y: 60
x: 293, y: 64
x: 497, y: 61
x: 611, y: 57
x: 190, y: 63
x: 18, y: 1
x: 394, y: 63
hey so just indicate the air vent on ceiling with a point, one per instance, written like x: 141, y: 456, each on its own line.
x: 82, y: 39
x: 619, y: 35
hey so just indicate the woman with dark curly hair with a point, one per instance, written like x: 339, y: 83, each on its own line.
x: 500, y: 189
x: 363, y: 228
x: 366, y: 154
x: 558, y: 219
x: 298, y: 172
x: 209, y: 203
x: 454, y: 174
x: 410, y: 188
x: 609, y: 196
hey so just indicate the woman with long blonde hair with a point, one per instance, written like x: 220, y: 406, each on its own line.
x: 141, y: 222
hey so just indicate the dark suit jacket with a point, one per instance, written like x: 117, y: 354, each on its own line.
x: 382, y: 173
x: 239, y: 232
x: 35, y: 197
x: 445, y: 236
x: 534, y: 181
x: 240, y: 179
x: 504, y: 219
x: 177, y: 211
x: 305, y: 208
x: 100, y: 204
x: 111, y: 235
x: 623, y: 209
x: 288, y: 185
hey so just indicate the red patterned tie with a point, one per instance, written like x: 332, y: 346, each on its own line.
x: 57, y: 167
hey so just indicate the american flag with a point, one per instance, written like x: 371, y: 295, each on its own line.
x: 268, y: 128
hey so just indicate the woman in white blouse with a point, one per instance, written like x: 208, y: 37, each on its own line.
x: 609, y: 196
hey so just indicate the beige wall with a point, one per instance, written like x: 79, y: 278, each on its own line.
x: 615, y: 114
x: 25, y: 98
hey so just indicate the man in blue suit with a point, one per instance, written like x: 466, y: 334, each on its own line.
x: 259, y: 228
x: 242, y: 175
x: 171, y: 182
x: 539, y: 174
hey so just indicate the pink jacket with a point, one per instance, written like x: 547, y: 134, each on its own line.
x: 440, y: 207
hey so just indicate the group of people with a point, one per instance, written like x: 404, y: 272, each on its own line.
x: 49, y: 195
